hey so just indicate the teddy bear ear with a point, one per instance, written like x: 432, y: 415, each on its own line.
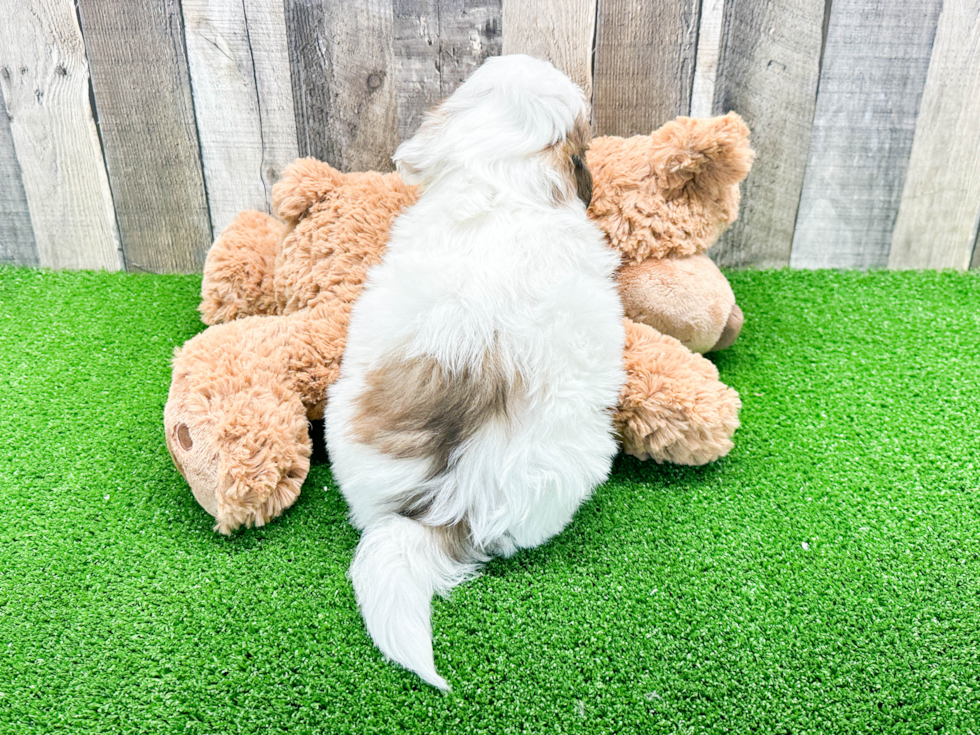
x: 673, y: 192
x: 709, y: 154
x: 304, y: 182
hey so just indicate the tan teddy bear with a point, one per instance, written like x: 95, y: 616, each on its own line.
x: 279, y: 294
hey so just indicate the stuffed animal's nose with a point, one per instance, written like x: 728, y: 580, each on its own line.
x: 195, y: 465
x: 184, y: 437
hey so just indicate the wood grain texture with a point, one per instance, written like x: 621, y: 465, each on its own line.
x: 975, y: 260
x: 342, y: 62
x: 940, y: 207
x: 768, y: 68
x: 644, y: 63
x: 239, y: 70
x: 706, y: 63
x: 874, y: 68
x: 146, y: 117
x: 438, y: 44
x: 561, y: 31
x: 17, y: 246
x: 44, y: 79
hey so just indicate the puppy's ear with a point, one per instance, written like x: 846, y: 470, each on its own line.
x: 583, y: 178
x: 568, y: 158
x: 418, y: 158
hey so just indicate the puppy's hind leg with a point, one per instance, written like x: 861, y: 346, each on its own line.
x: 399, y: 564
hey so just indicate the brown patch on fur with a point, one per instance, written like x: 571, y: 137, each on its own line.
x: 568, y: 157
x: 415, y: 504
x: 453, y: 537
x: 455, y: 540
x: 416, y: 408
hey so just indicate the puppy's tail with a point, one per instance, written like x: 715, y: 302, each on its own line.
x: 398, y: 566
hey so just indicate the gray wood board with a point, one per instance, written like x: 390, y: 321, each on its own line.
x: 342, y: 62
x: 146, y: 117
x: 44, y: 77
x: 438, y: 44
x: 644, y: 63
x: 767, y: 72
x: 561, y: 31
x: 17, y: 246
x: 239, y: 67
x: 706, y: 64
x: 940, y: 210
x: 874, y: 69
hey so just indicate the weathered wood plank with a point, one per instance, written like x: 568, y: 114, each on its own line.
x: 644, y: 63
x: 940, y: 207
x: 44, y: 77
x: 342, y: 61
x: 874, y: 68
x: 239, y: 69
x: 417, y: 73
x: 17, y: 246
x: 706, y: 64
x: 470, y: 31
x: 561, y: 31
x: 975, y: 261
x: 438, y: 44
x: 767, y: 72
x: 146, y: 117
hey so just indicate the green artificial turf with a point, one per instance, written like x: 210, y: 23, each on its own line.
x: 824, y: 578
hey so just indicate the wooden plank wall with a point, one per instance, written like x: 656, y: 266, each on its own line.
x: 768, y: 67
x: 438, y: 44
x: 644, y: 63
x: 16, y: 234
x: 343, y: 61
x: 44, y: 76
x: 874, y: 70
x: 239, y: 71
x: 561, y: 31
x: 134, y: 132
x: 939, y: 216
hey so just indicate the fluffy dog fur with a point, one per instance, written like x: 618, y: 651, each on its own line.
x: 473, y: 414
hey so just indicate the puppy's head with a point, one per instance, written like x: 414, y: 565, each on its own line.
x: 512, y: 109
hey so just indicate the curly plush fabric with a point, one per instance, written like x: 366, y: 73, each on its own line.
x: 672, y: 192
x: 673, y: 408
x: 240, y: 269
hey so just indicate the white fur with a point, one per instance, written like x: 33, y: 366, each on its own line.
x: 484, y: 259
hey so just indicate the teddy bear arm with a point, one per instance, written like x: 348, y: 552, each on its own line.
x: 672, y: 407
x: 240, y: 268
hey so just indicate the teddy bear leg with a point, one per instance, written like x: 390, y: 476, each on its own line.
x: 673, y: 408
x: 240, y: 268
x: 686, y: 298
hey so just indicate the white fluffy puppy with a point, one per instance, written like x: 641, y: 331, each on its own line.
x: 473, y: 412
